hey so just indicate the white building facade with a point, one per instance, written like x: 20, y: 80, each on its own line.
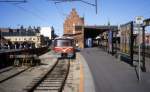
x: 46, y: 32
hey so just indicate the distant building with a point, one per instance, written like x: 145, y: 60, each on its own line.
x: 46, y: 31
x: 75, y: 27
x: 23, y: 36
x: 70, y: 28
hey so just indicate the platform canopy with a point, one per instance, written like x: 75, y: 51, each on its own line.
x: 94, y: 31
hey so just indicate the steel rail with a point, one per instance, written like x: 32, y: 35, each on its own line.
x: 56, y: 70
x: 6, y: 70
x: 13, y: 75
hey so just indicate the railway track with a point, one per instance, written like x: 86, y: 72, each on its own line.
x: 9, y: 73
x: 52, y: 80
x: 6, y: 69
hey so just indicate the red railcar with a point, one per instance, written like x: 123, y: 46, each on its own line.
x: 64, y: 46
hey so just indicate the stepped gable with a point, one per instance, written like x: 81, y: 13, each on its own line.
x: 72, y: 20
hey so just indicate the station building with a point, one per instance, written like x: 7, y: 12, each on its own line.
x: 75, y: 27
x: 71, y: 29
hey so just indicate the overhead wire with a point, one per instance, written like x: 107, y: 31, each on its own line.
x: 83, y: 1
x: 62, y: 16
x: 13, y: 1
x: 32, y: 13
x: 60, y: 13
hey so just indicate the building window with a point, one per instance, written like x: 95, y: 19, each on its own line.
x: 78, y: 28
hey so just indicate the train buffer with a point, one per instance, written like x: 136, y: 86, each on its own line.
x: 26, y: 60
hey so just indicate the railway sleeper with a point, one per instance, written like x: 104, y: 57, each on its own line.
x: 60, y: 69
x: 46, y: 91
x: 61, y: 73
x: 56, y: 76
x: 46, y: 84
x: 50, y: 85
x: 47, y: 88
x: 57, y: 83
x: 52, y: 80
x: 48, y: 79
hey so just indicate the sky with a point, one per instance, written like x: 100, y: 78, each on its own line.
x: 47, y: 13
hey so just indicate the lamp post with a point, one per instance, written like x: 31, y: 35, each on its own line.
x: 139, y: 22
x: 139, y: 47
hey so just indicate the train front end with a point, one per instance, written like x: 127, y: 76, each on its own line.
x: 64, y: 47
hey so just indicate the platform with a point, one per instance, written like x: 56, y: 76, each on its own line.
x: 113, y: 75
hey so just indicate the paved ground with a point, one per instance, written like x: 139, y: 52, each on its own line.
x: 88, y: 83
x: 112, y: 75
x: 18, y: 83
x: 80, y: 78
x: 75, y: 82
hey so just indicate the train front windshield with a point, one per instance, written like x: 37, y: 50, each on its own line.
x: 63, y: 42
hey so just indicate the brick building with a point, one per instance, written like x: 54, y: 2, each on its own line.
x: 74, y: 26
